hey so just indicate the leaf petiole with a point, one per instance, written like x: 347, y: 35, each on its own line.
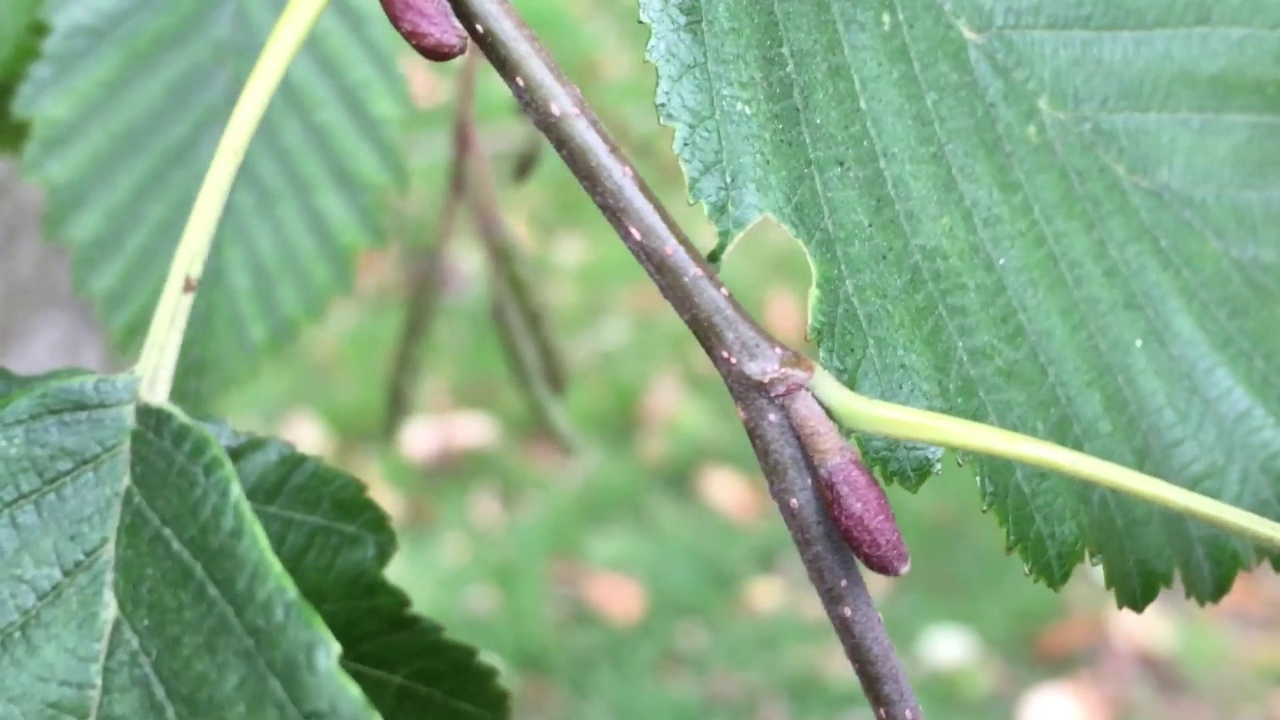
x: 158, y: 361
x: 877, y: 417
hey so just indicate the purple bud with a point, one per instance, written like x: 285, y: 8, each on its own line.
x: 854, y: 498
x: 861, y: 511
x: 429, y: 26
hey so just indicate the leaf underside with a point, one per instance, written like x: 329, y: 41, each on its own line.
x: 336, y: 543
x: 126, y: 105
x: 139, y: 578
x: 1059, y: 218
x: 136, y: 581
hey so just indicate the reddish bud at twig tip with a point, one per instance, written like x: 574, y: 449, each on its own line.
x: 861, y: 511
x: 855, y: 501
x: 429, y: 26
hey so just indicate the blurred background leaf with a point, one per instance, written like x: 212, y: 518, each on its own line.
x: 1059, y: 219
x: 20, y: 33
x: 126, y: 104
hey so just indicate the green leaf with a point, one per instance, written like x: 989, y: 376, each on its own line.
x: 20, y: 35
x: 126, y: 105
x: 136, y: 581
x: 336, y: 542
x: 1057, y: 218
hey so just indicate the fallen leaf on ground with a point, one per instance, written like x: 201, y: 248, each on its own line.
x: 485, y: 509
x: 616, y: 598
x: 1067, y: 637
x: 306, y: 430
x: 1153, y: 634
x: 428, y: 439
x: 947, y: 647
x: 729, y: 492
x: 764, y: 594
x: 786, y: 316
x: 657, y: 408
x: 1073, y: 698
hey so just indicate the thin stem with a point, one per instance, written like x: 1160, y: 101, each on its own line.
x: 830, y: 564
x: 423, y: 279
x: 500, y: 246
x: 863, y: 414
x: 756, y: 369
x: 521, y: 322
x: 160, y: 350
x: 726, y: 332
x: 527, y: 157
x: 526, y: 364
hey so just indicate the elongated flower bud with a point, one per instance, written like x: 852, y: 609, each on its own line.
x: 856, y: 502
x: 429, y: 26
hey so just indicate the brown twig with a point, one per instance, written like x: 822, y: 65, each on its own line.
x: 527, y: 157
x: 521, y: 321
x: 831, y: 567
x: 508, y: 270
x: 522, y: 354
x: 758, y: 371
x: 423, y: 276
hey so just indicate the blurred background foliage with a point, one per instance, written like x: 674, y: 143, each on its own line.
x: 649, y: 576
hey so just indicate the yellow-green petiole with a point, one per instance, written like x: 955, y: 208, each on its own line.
x: 159, y: 358
x: 876, y: 417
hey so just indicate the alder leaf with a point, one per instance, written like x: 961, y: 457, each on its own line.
x: 154, y: 566
x: 136, y: 582
x: 336, y: 543
x: 1059, y: 218
x: 126, y: 105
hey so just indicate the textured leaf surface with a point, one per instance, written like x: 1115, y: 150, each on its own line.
x: 126, y: 105
x: 1059, y: 218
x: 336, y: 542
x: 136, y: 582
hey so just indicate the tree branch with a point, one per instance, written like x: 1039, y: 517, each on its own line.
x: 535, y: 359
x: 423, y: 280
x: 758, y: 371
x: 482, y: 189
x: 524, y: 357
x: 830, y: 564
x: 731, y: 338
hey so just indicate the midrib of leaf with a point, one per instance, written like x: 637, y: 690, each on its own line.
x: 112, y: 613
x: 1030, y: 485
x: 212, y: 589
